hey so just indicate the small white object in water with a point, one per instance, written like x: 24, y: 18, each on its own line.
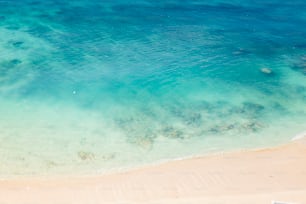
x: 266, y: 70
x: 74, y: 92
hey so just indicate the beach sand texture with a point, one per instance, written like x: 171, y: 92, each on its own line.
x: 252, y: 176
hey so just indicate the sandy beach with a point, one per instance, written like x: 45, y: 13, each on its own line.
x: 255, y: 176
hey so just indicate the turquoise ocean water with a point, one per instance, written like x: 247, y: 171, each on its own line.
x: 88, y: 86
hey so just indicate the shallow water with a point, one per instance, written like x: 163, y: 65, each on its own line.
x: 89, y: 86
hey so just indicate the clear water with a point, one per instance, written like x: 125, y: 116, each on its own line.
x: 88, y: 86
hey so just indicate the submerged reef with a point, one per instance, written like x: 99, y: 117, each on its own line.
x: 182, y: 122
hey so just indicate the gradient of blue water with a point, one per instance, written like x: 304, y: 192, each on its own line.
x: 94, y: 85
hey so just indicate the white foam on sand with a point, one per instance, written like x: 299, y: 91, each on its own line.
x: 299, y: 136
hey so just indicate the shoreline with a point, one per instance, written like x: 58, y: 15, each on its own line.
x: 247, y: 176
x: 122, y: 170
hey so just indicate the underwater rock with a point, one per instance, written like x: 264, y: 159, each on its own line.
x: 141, y: 137
x: 194, y: 119
x: 205, y: 106
x: 252, y: 126
x: 251, y: 108
x: 138, y: 130
x: 125, y: 122
x: 17, y: 43
x: 190, y: 115
x: 15, y: 61
x: 51, y: 164
x: 10, y: 63
x: 173, y: 133
x: 222, y: 128
x: 280, y: 108
x: 21, y: 158
x: 12, y: 27
x: 108, y: 157
x: 176, y: 111
x: 144, y: 142
x: 266, y: 70
x: 86, y: 155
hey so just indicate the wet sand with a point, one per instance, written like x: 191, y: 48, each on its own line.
x: 251, y: 176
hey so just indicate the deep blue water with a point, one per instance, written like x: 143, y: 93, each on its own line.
x: 88, y: 86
